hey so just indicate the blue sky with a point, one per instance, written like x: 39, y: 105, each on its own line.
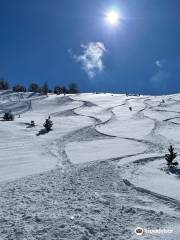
x: 63, y: 41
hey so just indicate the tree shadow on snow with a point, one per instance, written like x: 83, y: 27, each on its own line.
x: 28, y: 125
x: 42, y: 132
x: 175, y: 171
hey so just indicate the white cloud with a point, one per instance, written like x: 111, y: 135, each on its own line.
x: 92, y: 58
x: 161, y: 74
x: 159, y: 64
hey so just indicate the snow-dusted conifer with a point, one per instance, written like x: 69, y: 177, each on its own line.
x: 8, y: 116
x: 32, y: 124
x: 171, y: 156
x: 48, y: 124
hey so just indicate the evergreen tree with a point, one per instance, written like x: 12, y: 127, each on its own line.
x: 8, y: 116
x: 64, y: 90
x: 170, y: 157
x: 4, y: 85
x: 19, y: 88
x: 32, y: 124
x: 34, y: 87
x: 48, y: 124
x: 45, y: 88
x: 73, y: 88
x: 57, y: 90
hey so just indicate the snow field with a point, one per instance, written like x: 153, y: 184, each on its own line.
x: 97, y: 176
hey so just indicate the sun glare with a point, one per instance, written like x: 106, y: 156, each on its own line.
x: 113, y: 17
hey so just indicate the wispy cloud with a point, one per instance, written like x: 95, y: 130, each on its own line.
x: 161, y: 73
x: 159, y: 63
x: 91, y: 57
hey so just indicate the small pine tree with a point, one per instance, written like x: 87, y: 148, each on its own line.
x: 64, y: 90
x: 34, y: 87
x: 73, y: 88
x: 45, y: 88
x: 130, y: 108
x: 19, y: 88
x: 4, y: 85
x: 170, y: 157
x: 58, y: 90
x: 48, y: 124
x: 8, y: 116
x: 32, y: 124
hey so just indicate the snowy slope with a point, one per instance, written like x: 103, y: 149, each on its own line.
x: 22, y: 152
x: 108, y: 173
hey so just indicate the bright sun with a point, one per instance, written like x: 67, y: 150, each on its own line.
x: 112, y: 17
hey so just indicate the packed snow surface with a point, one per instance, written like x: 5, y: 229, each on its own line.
x: 98, y: 175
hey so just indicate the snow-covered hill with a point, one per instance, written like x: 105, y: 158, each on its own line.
x: 98, y: 175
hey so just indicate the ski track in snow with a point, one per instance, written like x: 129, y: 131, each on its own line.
x: 90, y: 200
